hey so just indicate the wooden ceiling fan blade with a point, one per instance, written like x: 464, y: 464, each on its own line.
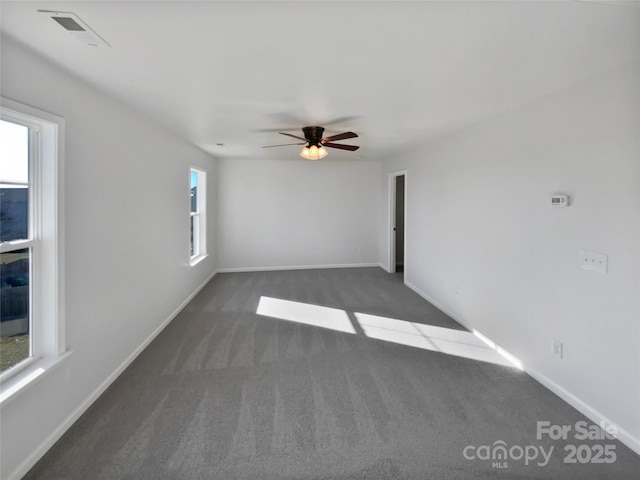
x: 351, y: 148
x: 294, y: 136
x: 284, y: 145
x: 340, y: 136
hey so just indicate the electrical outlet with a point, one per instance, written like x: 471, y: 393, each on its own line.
x: 557, y: 348
x: 597, y: 262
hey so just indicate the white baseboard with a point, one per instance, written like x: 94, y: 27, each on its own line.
x: 296, y: 267
x: 591, y: 413
x: 436, y: 304
x: 44, y: 447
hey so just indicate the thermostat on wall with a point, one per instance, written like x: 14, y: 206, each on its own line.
x: 559, y: 200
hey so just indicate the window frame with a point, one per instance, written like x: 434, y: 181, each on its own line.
x: 46, y: 244
x: 32, y: 242
x: 198, y: 218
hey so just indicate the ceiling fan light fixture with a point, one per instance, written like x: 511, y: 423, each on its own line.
x: 314, y: 143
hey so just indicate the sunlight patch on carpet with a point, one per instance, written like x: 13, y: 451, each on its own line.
x: 459, y: 343
x: 306, y: 313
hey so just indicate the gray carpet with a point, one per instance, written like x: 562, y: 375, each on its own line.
x: 225, y: 393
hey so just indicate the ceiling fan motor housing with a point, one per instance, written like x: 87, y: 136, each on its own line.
x: 313, y: 134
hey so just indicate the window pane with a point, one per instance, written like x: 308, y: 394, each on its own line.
x: 14, y: 181
x: 195, y: 232
x: 14, y: 152
x: 14, y: 213
x: 194, y: 191
x: 192, y: 237
x: 14, y: 308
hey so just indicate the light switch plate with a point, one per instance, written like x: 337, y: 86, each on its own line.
x: 597, y: 262
x: 557, y: 348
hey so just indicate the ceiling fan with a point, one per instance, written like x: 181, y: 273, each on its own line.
x: 314, y: 142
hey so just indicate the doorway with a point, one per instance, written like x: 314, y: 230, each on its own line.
x: 397, y: 201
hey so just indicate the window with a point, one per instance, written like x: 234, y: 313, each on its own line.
x: 31, y: 287
x: 198, y: 183
x: 17, y: 240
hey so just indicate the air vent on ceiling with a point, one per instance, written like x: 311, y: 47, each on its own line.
x: 69, y: 24
x: 79, y: 29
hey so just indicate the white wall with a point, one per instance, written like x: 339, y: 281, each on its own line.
x: 479, y: 220
x: 127, y: 245
x: 290, y: 213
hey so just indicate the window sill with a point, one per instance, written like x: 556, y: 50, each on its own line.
x: 22, y: 381
x: 197, y: 259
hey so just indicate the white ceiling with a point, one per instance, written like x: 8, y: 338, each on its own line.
x: 393, y: 72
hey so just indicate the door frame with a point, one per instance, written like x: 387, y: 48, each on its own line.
x: 392, y: 219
